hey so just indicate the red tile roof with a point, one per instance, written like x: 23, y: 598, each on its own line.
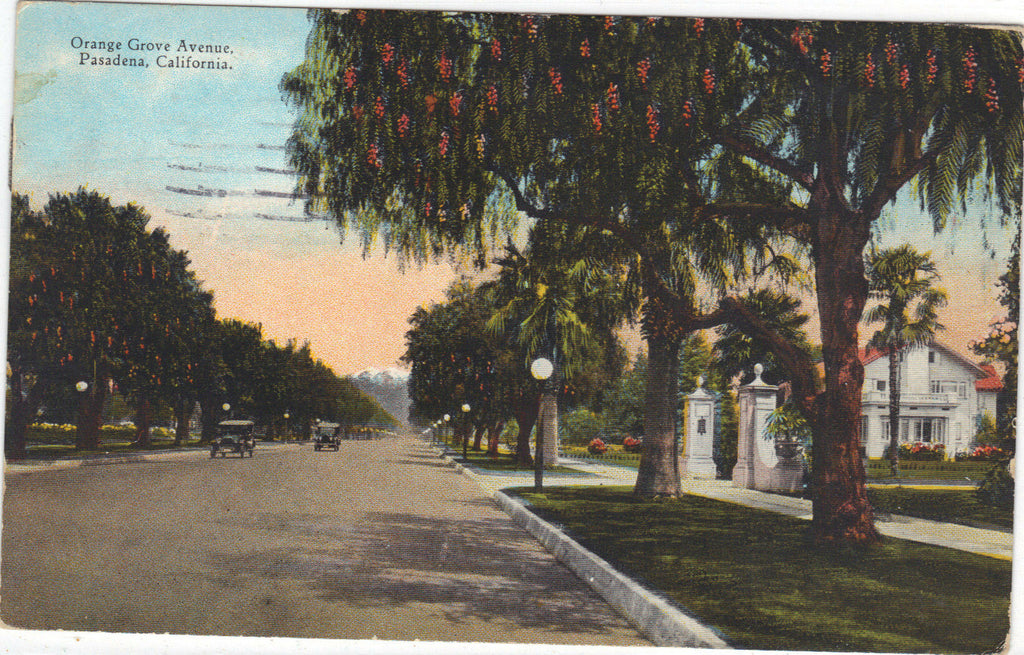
x: 992, y: 383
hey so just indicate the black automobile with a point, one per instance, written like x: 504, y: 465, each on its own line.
x: 234, y: 437
x: 327, y: 435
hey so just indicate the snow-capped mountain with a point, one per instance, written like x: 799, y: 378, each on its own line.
x: 390, y: 386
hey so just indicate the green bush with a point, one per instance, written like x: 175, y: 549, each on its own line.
x: 997, y: 487
x: 578, y: 427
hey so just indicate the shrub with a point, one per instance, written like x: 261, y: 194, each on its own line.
x: 632, y: 445
x: 597, y: 447
x: 920, y: 452
x: 578, y: 427
x: 982, y: 454
x: 997, y: 487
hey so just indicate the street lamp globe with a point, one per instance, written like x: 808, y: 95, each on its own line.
x: 465, y: 407
x: 287, y: 416
x: 82, y: 386
x: 226, y: 407
x: 447, y: 418
x: 542, y: 368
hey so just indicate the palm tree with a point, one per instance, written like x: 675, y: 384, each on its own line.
x: 556, y: 301
x: 900, y: 279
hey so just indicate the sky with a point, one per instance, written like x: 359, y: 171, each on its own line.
x: 158, y: 136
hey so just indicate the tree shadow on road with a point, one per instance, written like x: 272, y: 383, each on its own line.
x: 471, y: 570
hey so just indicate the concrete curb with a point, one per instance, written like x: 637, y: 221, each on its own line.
x: 656, y: 618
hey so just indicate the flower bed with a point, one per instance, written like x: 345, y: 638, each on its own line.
x: 921, y: 452
x: 982, y: 454
x: 597, y: 447
x: 631, y: 445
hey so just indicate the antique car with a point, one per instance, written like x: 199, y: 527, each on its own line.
x: 327, y: 435
x: 234, y: 437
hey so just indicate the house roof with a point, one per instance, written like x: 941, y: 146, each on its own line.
x: 988, y: 378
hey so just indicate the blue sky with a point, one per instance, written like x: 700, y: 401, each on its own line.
x: 131, y: 133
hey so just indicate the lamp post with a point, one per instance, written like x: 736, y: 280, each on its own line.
x: 465, y: 430
x: 541, y: 369
x: 287, y: 431
x: 446, y: 419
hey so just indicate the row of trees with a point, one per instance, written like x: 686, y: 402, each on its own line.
x: 100, y: 303
x: 708, y: 148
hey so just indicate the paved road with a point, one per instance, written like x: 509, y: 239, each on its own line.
x: 378, y: 540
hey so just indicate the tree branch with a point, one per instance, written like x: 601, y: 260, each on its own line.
x: 762, y: 156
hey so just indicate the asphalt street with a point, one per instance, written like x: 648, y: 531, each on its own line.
x: 379, y: 540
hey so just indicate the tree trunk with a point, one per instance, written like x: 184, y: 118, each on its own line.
x: 494, y: 437
x: 90, y: 416
x: 526, y: 415
x: 183, y: 412
x: 478, y: 436
x: 658, y: 474
x: 24, y: 406
x: 143, y: 411
x: 841, y: 513
x: 894, y: 413
x: 208, y: 413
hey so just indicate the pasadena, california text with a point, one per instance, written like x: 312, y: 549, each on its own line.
x: 180, y: 54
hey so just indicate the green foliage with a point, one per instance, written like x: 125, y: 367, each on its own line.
x: 578, y: 427
x: 997, y: 487
x: 986, y: 434
x: 624, y: 403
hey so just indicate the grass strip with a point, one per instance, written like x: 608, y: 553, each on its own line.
x: 756, y: 577
x: 504, y: 462
x: 949, y: 505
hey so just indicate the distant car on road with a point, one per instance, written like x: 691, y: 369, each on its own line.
x: 327, y: 435
x: 234, y: 437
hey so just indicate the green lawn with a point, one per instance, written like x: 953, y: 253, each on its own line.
x: 58, y: 450
x: 946, y: 470
x: 950, y: 505
x: 755, y: 577
x: 503, y: 462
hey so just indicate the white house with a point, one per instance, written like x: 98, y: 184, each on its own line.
x: 943, y: 396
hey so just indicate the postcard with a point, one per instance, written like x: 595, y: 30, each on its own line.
x: 485, y: 328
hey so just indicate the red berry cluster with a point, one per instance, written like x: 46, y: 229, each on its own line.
x: 403, y: 73
x: 357, y: 112
x: 739, y: 25
x: 801, y: 39
x: 585, y: 48
x: 442, y: 146
x: 403, y: 125
x: 653, y: 124
x: 492, y: 98
x: 826, y: 63
x: 455, y: 103
x: 531, y: 28
x: 643, y: 67
x: 687, y: 114
x: 378, y: 107
x: 373, y: 155
x: 496, y: 50
x: 444, y: 66
x: 609, y: 25
x: 892, y: 51
x: 387, y: 53
x: 350, y: 77
x: 361, y: 17
x: 970, y: 70
x: 992, y: 97
x: 933, y: 67
x: 651, y: 20
x: 869, y: 71
x: 613, y: 96
x: 428, y: 208
x: 595, y: 116
x: 698, y: 26
x: 904, y: 76
x: 709, y: 81
x: 556, y: 79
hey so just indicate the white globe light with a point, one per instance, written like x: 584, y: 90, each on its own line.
x: 542, y: 368
x: 465, y: 407
x: 226, y: 407
x: 446, y: 417
x: 82, y: 386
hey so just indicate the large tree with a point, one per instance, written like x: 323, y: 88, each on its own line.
x: 901, y: 280
x: 684, y: 138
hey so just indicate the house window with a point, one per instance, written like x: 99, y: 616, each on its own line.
x: 949, y: 386
x: 963, y: 389
x: 880, y: 385
x: 931, y: 356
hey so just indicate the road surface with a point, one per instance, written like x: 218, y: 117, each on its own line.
x: 379, y: 540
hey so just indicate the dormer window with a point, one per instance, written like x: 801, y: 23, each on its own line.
x: 931, y: 356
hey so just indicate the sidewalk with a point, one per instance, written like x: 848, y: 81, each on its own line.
x: 991, y: 543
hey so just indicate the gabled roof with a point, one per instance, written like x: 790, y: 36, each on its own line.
x: 987, y: 377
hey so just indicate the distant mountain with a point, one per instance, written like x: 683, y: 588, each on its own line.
x: 389, y: 386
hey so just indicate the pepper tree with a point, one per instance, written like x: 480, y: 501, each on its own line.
x: 684, y: 138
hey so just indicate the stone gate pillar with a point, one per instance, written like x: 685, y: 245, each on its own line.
x: 755, y: 455
x: 698, y: 448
